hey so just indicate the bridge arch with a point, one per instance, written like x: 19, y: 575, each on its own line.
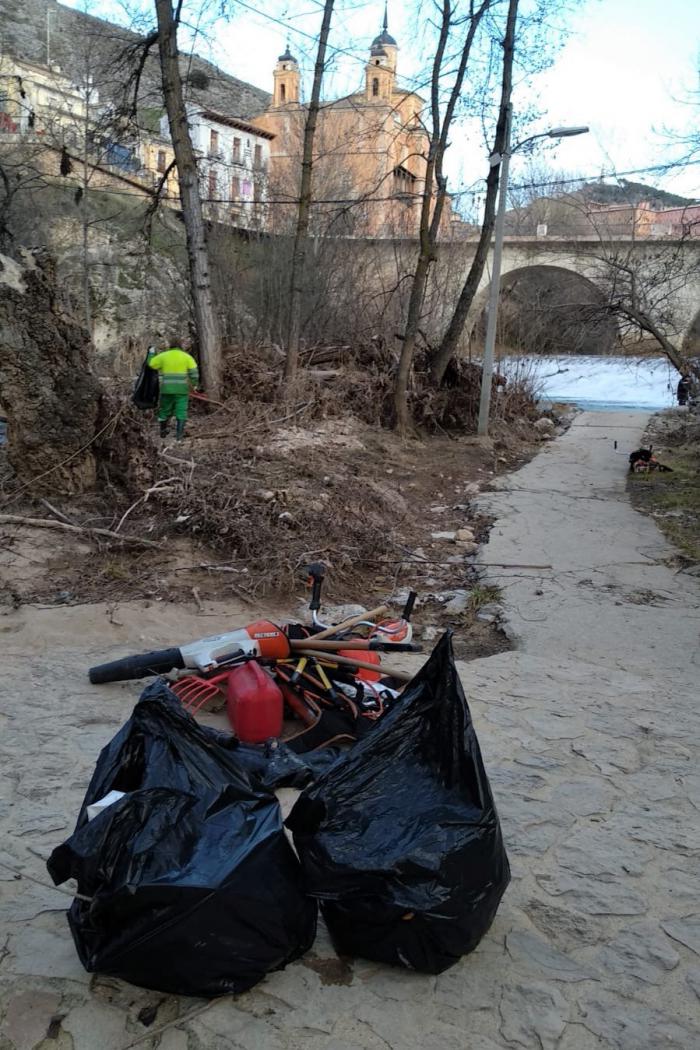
x: 545, y: 308
x: 690, y: 347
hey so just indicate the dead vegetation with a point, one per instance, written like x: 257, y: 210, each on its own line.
x: 673, y: 499
x: 262, y: 486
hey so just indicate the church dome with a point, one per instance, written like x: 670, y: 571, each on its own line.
x: 384, y: 38
x: 287, y: 56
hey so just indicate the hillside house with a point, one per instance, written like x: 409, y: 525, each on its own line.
x: 234, y: 161
x: 42, y: 103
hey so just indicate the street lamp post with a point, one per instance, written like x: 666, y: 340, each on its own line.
x: 490, y: 344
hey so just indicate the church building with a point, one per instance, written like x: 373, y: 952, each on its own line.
x: 369, y: 153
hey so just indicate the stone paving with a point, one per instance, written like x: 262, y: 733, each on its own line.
x: 589, y: 731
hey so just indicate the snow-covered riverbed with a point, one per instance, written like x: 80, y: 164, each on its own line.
x: 600, y: 382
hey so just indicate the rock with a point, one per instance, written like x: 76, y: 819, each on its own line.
x: 564, y: 928
x: 544, y: 425
x: 338, y: 613
x: 533, y: 951
x: 465, y: 534
x: 458, y: 604
x: 686, y: 931
x: 641, y: 952
x: 622, y: 1024
x: 488, y: 613
x: 467, y: 546
x: 595, y: 897
x: 533, y: 1014
x: 28, y: 1017
x: 50, y: 395
x: 448, y: 537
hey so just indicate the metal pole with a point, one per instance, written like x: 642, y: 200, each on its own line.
x: 489, y: 345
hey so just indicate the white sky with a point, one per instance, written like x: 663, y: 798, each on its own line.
x: 624, y: 71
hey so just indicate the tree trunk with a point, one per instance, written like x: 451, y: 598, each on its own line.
x: 430, y: 223
x: 206, y: 320
x: 455, y: 328
x: 297, y: 275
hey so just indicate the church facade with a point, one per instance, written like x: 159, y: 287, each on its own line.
x: 369, y: 154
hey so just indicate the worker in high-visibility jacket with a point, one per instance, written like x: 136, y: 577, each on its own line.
x: 179, y: 376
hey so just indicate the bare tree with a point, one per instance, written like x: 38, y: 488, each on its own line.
x: 435, y: 184
x: 455, y: 328
x: 206, y: 320
x: 304, y: 213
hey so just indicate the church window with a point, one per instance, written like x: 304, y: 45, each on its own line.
x: 375, y: 87
x: 236, y: 151
x: 212, y: 184
x: 161, y: 161
x: 283, y: 93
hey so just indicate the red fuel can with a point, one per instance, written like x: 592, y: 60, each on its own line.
x: 254, y: 704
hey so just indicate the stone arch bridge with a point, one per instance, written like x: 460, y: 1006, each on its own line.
x: 670, y: 269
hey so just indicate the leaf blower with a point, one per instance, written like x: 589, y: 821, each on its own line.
x: 262, y: 639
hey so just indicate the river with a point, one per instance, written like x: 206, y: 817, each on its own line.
x: 599, y: 382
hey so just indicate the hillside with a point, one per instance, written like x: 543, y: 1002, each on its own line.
x: 80, y: 43
x: 626, y: 192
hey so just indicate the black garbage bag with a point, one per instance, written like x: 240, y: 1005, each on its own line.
x: 188, y: 883
x: 146, y: 389
x: 400, y: 839
x: 275, y: 764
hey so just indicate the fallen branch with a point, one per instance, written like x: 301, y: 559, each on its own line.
x: 58, y: 513
x: 159, y: 485
x: 49, y: 523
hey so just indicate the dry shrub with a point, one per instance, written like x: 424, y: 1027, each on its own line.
x: 363, y: 387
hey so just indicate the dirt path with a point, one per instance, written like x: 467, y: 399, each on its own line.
x: 589, y: 731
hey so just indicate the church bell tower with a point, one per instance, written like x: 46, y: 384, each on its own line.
x: 381, y: 68
x: 286, y: 78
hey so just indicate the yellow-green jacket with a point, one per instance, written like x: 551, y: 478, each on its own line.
x: 178, y: 371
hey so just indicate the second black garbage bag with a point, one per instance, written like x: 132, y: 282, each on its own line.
x: 187, y: 883
x: 400, y: 839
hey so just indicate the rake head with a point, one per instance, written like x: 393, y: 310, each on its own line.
x: 193, y: 691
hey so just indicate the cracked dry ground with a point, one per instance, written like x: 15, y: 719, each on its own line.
x: 589, y: 731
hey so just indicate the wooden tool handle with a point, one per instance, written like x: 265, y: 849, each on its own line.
x: 328, y: 645
x: 371, y: 614
x: 342, y: 661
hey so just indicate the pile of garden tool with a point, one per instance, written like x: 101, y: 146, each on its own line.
x: 330, y: 678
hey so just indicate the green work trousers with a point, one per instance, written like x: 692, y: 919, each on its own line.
x: 173, y: 405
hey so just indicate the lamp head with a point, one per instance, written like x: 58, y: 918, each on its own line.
x: 564, y: 133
